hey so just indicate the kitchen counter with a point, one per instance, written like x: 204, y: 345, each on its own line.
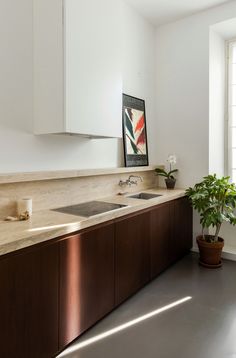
x: 46, y: 225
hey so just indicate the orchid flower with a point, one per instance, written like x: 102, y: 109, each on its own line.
x: 172, y: 160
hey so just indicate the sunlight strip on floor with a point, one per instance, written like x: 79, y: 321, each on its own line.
x: 123, y: 326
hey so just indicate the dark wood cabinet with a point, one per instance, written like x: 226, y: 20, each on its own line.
x: 160, y: 229
x: 171, y: 233
x: 29, y: 303
x: 181, y: 234
x: 86, y: 281
x: 132, y: 255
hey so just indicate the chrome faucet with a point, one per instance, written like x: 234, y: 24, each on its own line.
x: 130, y: 181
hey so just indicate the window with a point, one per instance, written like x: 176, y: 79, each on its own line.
x: 231, y: 110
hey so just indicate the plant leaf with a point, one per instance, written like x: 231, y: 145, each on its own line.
x: 173, y: 171
x: 161, y: 172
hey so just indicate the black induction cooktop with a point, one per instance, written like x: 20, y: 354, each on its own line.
x: 90, y: 208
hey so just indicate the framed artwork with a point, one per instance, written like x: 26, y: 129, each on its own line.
x: 134, y: 132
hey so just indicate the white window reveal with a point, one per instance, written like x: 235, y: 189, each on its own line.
x: 232, y: 110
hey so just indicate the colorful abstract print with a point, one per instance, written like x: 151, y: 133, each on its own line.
x: 135, y: 131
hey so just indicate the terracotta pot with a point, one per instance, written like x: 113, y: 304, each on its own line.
x: 210, y: 252
x: 170, y: 183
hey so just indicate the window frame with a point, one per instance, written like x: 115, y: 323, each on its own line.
x: 228, y: 119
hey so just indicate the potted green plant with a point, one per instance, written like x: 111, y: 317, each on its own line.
x: 215, y: 200
x: 170, y: 179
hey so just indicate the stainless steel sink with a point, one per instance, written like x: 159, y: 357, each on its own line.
x: 145, y: 196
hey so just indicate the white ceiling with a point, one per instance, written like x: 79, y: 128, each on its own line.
x: 163, y: 11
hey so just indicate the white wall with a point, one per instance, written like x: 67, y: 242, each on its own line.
x: 182, y: 62
x: 217, y: 65
x: 20, y: 150
x: 140, y: 68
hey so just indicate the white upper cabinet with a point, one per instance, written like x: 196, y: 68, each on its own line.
x: 78, y: 67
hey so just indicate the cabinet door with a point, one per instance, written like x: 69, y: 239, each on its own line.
x: 160, y: 222
x: 86, y: 281
x: 132, y: 247
x: 29, y: 303
x: 93, y: 67
x: 181, y: 240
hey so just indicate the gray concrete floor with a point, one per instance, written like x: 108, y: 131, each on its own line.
x: 203, y: 327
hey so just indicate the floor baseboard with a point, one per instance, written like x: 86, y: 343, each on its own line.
x: 228, y: 253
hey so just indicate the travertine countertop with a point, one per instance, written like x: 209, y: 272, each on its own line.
x: 46, y: 225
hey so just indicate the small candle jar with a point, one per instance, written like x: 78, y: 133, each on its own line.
x: 24, y: 205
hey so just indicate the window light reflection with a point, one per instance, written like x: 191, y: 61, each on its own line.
x: 51, y: 227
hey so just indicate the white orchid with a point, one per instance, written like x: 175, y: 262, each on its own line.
x: 172, y: 159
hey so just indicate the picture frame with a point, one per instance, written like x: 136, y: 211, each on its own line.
x: 134, y: 132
